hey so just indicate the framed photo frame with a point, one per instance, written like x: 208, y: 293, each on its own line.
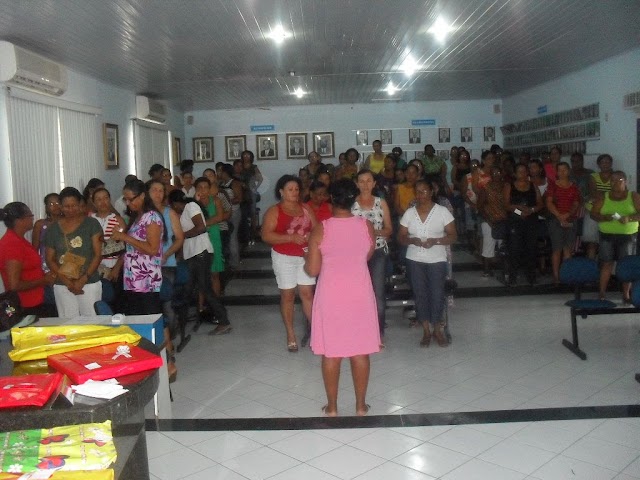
x: 111, y: 146
x: 489, y: 134
x: 466, y: 134
x: 362, y: 137
x: 386, y: 137
x: 203, y: 149
x: 177, y: 150
x: 323, y: 144
x: 234, y: 146
x: 297, y: 145
x: 444, y: 135
x: 267, y: 147
x: 415, y: 136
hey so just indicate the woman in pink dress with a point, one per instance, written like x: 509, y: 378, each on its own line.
x: 345, y: 317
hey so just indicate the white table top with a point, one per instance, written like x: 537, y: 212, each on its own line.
x: 99, y: 320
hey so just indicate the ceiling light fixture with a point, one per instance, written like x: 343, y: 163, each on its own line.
x: 298, y: 92
x: 440, y: 29
x: 409, y: 66
x: 391, y: 88
x: 278, y: 34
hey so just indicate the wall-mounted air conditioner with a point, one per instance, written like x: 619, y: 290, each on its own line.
x: 150, y: 109
x: 25, y: 69
x: 632, y: 102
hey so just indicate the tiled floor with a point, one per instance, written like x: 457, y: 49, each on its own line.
x: 506, y: 355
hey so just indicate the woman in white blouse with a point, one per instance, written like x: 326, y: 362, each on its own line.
x: 426, y: 228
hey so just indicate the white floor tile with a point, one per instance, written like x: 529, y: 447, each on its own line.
x: 345, y: 435
x: 604, y: 454
x: 190, y: 438
x: 546, y: 437
x: 633, y: 469
x: 517, y: 456
x: 389, y: 470
x: 303, y: 472
x: 226, y: 446
x: 218, y: 472
x: 386, y: 443
x: 168, y: 467
x: 563, y: 468
x: 466, y: 440
x: 476, y: 469
x: 432, y: 459
x: 618, y: 432
x: 423, y: 433
x: 503, y: 430
x: 305, y: 445
x: 267, y: 437
x: 159, y: 444
x: 346, y: 462
x: 261, y: 463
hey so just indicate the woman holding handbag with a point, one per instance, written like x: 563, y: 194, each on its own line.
x: 112, y: 251
x: 20, y: 265
x: 74, y: 252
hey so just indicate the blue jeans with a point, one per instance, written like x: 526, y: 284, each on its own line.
x: 377, y: 270
x: 427, y: 283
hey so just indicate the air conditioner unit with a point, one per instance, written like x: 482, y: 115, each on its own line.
x: 29, y: 70
x: 632, y: 102
x: 150, y: 109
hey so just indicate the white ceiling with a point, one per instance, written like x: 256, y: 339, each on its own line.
x: 216, y: 54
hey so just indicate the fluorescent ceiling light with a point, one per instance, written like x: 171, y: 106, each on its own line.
x: 278, y: 34
x: 298, y: 92
x: 391, y: 88
x: 441, y: 29
x: 409, y: 66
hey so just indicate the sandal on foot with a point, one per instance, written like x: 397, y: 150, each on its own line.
x: 426, y: 340
x: 292, y: 346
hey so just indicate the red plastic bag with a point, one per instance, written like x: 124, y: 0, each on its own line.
x: 106, y: 361
x: 28, y: 390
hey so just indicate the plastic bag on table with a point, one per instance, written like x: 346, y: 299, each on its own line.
x: 33, y: 343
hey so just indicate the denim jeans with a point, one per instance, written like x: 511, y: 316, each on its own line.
x: 427, y: 283
x: 200, y: 276
x: 377, y: 267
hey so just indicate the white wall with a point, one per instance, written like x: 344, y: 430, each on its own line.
x: 118, y: 107
x: 606, y: 82
x: 343, y: 120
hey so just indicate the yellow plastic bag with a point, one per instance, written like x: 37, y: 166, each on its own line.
x: 80, y: 475
x: 74, y: 447
x: 33, y: 343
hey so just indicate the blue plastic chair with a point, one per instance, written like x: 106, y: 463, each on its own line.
x: 102, y: 308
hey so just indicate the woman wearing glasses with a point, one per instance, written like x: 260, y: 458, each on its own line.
x: 426, y: 229
x: 143, y: 255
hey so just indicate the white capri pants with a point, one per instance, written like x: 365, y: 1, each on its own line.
x: 70, y: 305
x: 489, y: 243
x: 289, y: 271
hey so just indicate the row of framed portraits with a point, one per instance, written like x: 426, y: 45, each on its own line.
x: 567, y: 147
x: 583, y: 131
x: 573, y: 115
x: 414, y: 136
x: 266, y: 146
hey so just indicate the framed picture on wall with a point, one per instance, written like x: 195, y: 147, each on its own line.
x: 177, y: 151
x: 267, y: 147
x: 296, y: 145
x: 323, y: 144
x: 386, y: 137
x: 203, y: 149
x: 362, y: 137
x: 111, y: 146
x: 414, y: 135
x: 235, y: 145
x: 466, y: 134
x: 489, y: 134
x: 444, y: 135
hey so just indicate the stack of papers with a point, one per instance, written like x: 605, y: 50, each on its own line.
x: 106, y: 389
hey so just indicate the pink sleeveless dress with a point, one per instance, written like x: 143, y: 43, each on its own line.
x: 344, y: 319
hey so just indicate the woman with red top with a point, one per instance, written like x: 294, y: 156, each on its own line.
x: 551, y: 168
x: 319, y: 202
x: 20, y: 264
x: 563, y: 201
x: 286, y: 226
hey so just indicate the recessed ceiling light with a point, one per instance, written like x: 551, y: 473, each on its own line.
x: 278, y: 34
x: 298, y: 92
x: 409, y: 66
x: 391, y: 88
x: 440, y: 29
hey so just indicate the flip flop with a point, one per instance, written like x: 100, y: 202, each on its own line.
x: 365, y: 412
x: 324, y: 410
x: 292, y: 346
